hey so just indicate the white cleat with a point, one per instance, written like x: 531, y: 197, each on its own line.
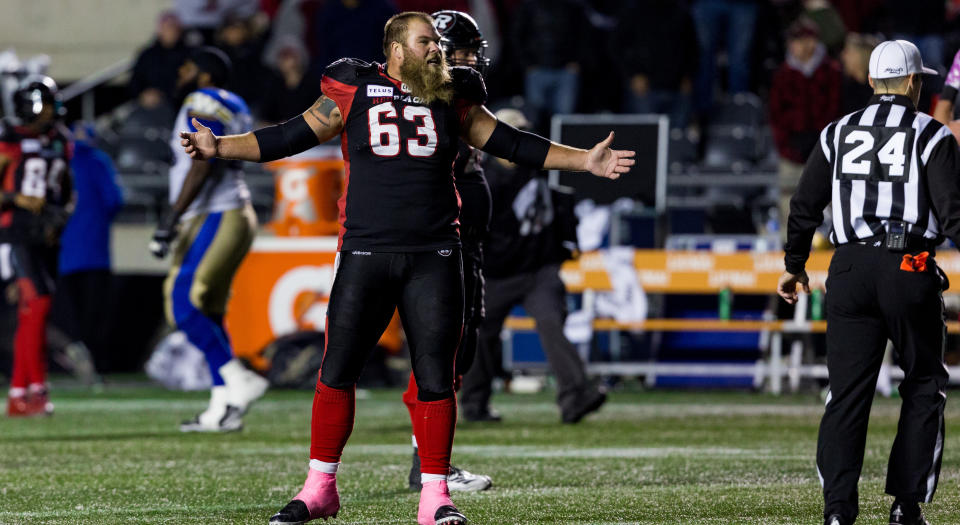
x: 220, y: 415
x: 231, y: 421
x: 460, y: 480
x: 244, y: 386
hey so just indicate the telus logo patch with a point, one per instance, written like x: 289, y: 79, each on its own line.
x: 379, y: 91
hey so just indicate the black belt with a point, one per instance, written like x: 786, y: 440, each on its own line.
x: 914, y: 243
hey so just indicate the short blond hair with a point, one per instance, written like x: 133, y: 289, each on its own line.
x: 395, y: 29
x: 892, y: 85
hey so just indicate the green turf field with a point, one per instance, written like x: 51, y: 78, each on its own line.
x: 661, y: 457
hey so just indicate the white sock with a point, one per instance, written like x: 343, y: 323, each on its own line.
x: 427, y: 478
x: 414, y: 439
x: 323, y: 466
x: 18, y: 392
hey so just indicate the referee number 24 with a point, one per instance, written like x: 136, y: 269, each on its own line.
x: 858, y: 160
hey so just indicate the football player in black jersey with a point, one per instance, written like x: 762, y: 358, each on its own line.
x: 464, y: 45
x: 35, y: 193
x: 399, y: 124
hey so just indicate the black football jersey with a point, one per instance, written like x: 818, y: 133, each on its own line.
x: 475, y: 202
x: 399, y: 192
x: 35, y: 166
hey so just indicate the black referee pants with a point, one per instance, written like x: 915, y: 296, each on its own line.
x: 871, y: 299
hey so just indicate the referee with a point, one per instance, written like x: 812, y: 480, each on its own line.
x: 892, y: 176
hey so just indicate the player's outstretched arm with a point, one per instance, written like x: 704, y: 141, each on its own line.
x: 318, y: 124
x: 482, y: 130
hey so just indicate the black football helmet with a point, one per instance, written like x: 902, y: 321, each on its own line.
x: 459, y: 30
x: 34, y: 94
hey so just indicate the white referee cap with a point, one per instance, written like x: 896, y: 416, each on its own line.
x: 897, y: 58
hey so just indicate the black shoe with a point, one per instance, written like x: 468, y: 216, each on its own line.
x: 590, y: 402
x: 482, y: 415
x: 414, y: 479
x: 447, y: 515
x: 834, y: 519
x: 906, y: 514
x: 295, y: 513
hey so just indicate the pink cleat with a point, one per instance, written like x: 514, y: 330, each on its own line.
x: 436, y: 508
x: 318, y: 499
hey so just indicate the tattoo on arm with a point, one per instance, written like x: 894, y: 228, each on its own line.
x: 322, y: 109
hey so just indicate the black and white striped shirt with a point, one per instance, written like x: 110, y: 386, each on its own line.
x: 885, y: 162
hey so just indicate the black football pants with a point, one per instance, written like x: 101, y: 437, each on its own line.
x: 871, y: 299
x: 473, y: 308
x: 426, y: 288
x: 35, y: 267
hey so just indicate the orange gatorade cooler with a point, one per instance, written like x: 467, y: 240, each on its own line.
x: 307, y: 188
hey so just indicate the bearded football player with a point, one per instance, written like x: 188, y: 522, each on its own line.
x: 399, y: 246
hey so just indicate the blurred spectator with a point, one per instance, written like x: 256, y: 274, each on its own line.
x: 829, y: 23
x: 346, y: 28
x: 920, y: 22
x: 548, y: 36
x: 657, y: 82
x: 201, y: 18
x: 805, y: 97
x: 483, y: 11
x: 859, y: 16
x: 288, y: 22
x: 153, y: 81
x: 289, y: 87
x: 85, y: 279
x: 855, y: 57
x: 239, y: 39
x: 730, y: 21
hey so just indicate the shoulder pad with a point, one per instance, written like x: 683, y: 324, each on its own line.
x: 348, y: 70
x: 468, y: 84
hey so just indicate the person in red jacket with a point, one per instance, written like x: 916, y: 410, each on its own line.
x: 804, y: 97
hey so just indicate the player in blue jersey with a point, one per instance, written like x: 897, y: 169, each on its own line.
x: 210, y: 227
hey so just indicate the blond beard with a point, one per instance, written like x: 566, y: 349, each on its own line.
x: 427, y: 82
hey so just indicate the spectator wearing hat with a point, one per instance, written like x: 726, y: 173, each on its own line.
x: 855, y: 57
x: 153, y: 81
x: 290, y: 85
x: 804, y: 97
x: 241, y: 39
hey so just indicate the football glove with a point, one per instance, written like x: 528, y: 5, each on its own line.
x: 162, y: 237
